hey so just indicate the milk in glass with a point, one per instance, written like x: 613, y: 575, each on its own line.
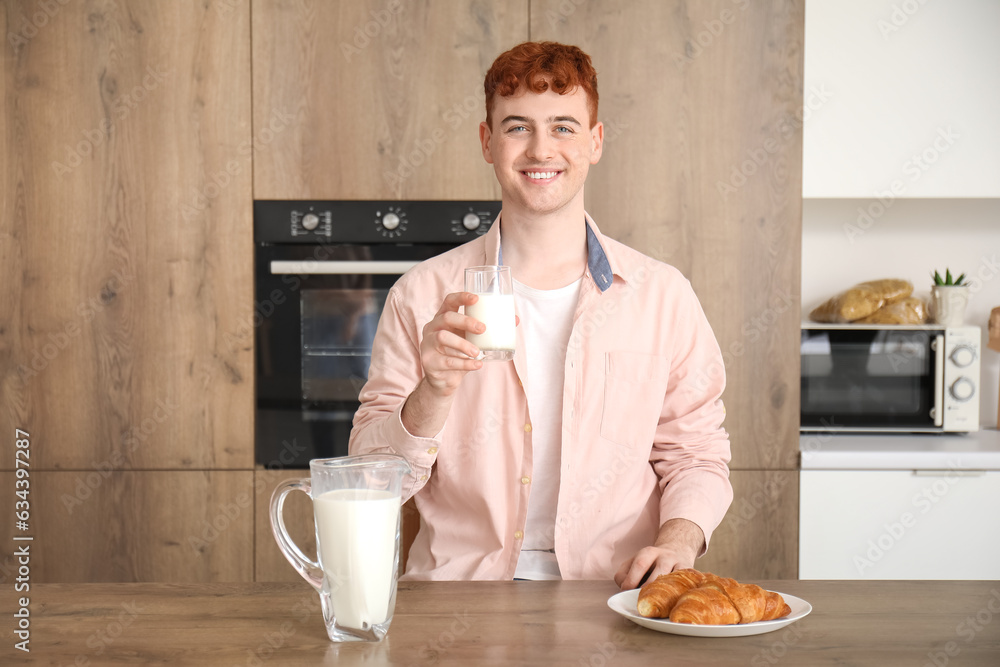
x: 496, y: 311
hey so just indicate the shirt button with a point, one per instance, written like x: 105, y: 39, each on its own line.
x: 518, y: 535
x: 432, y: 450
x: 527, y: 428
x: 525, y: 480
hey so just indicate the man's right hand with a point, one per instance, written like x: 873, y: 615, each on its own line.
x: 445, y: 357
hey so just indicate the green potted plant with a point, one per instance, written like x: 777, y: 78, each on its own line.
x: 949, y: 299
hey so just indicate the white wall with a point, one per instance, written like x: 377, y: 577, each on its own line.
x: 842, y: 246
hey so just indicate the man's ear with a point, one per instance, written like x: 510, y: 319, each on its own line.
x: 597, y: 142
x: 485, y: 136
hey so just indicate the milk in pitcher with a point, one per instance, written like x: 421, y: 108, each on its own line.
x: 359, y: 571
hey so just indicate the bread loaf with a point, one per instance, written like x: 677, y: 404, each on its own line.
x: 910, y: 310
x: 862, y: 300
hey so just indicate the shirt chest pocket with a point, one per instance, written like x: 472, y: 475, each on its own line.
x: 635, y: 385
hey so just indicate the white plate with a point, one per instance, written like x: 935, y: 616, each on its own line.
x: 625, y: 604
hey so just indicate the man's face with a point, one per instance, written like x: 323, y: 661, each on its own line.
x: 541, y: 147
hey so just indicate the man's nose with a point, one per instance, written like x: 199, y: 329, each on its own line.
x: 541, y: 147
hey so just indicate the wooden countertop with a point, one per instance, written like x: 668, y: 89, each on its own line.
x: 879, y: 623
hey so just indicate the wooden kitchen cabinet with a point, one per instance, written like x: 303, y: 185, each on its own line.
x: 157, y: 525
x: 126, y: 306
x: 374, y: 99
x: 759, y: 536
x: 901, y: 99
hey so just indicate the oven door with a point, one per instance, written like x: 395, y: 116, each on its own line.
x: 317, y: 320
x: 858, y: 379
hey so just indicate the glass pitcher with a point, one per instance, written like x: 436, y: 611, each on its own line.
x: 356, y: 503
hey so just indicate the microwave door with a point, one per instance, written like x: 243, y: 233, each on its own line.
x: 868, y: 380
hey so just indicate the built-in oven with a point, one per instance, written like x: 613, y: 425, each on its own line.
x: 889, y: 378
x: 323, y: 270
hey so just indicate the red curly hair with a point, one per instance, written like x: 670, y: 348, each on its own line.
x: 537, y: 66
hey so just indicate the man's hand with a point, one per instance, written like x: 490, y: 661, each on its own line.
x: 445, y: 357
x: 677, y: 545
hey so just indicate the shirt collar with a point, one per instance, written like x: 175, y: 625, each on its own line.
x: 598, y: 262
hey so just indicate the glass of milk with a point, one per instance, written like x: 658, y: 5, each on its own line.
x: 356, y: 505
x: 495, y: 308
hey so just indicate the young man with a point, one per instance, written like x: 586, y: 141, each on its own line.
x: 599, y: 451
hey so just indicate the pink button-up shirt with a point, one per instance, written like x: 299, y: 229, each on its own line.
x: 642, y: 438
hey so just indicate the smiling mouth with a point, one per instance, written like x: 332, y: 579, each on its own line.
x: 541, y: 175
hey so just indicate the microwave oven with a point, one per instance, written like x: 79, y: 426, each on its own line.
x: 889, y: 378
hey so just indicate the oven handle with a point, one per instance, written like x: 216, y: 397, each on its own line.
x: 311, y: 267
x: 938, y: 412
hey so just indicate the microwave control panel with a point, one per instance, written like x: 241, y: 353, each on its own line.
x: 960, y: 386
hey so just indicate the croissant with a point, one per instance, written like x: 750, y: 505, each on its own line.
x: 724, y: 601
x: 657, y: 597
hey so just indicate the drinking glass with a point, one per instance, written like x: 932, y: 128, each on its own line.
x: 495, y: 308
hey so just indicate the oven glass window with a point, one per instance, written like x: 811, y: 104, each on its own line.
x: 338, y: 328
x: 867, y: 378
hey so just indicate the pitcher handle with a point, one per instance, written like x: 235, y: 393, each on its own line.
x: 309, y: 569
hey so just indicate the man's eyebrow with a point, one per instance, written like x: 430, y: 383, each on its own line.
x: 515, y: 119
x: 565, y: 119
x: 551, y: 119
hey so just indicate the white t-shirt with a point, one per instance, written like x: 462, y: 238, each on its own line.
x: 546, y: 323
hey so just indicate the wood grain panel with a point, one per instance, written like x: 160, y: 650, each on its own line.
x: 702, y: 169
x: 270, y: 564
x: 126, y: 235
x: 166, y: 526
x: 758, y: 539
x: 386, y: 96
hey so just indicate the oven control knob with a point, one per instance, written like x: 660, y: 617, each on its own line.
x: 310, y: 221
x: 963, y: 389
x: 390, y: 221
x: 963, y: 355
x: 471, y: 221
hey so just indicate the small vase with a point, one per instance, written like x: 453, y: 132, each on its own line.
x: 949, y: 303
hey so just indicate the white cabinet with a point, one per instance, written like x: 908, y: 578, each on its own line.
x: 899, y: 524
x: 901, y: 99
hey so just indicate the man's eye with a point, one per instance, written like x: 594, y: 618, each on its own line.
x: 564, y: 129
x: 517, y: 128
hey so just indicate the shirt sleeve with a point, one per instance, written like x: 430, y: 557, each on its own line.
x: 393, y: 374
x: 691, y: 451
